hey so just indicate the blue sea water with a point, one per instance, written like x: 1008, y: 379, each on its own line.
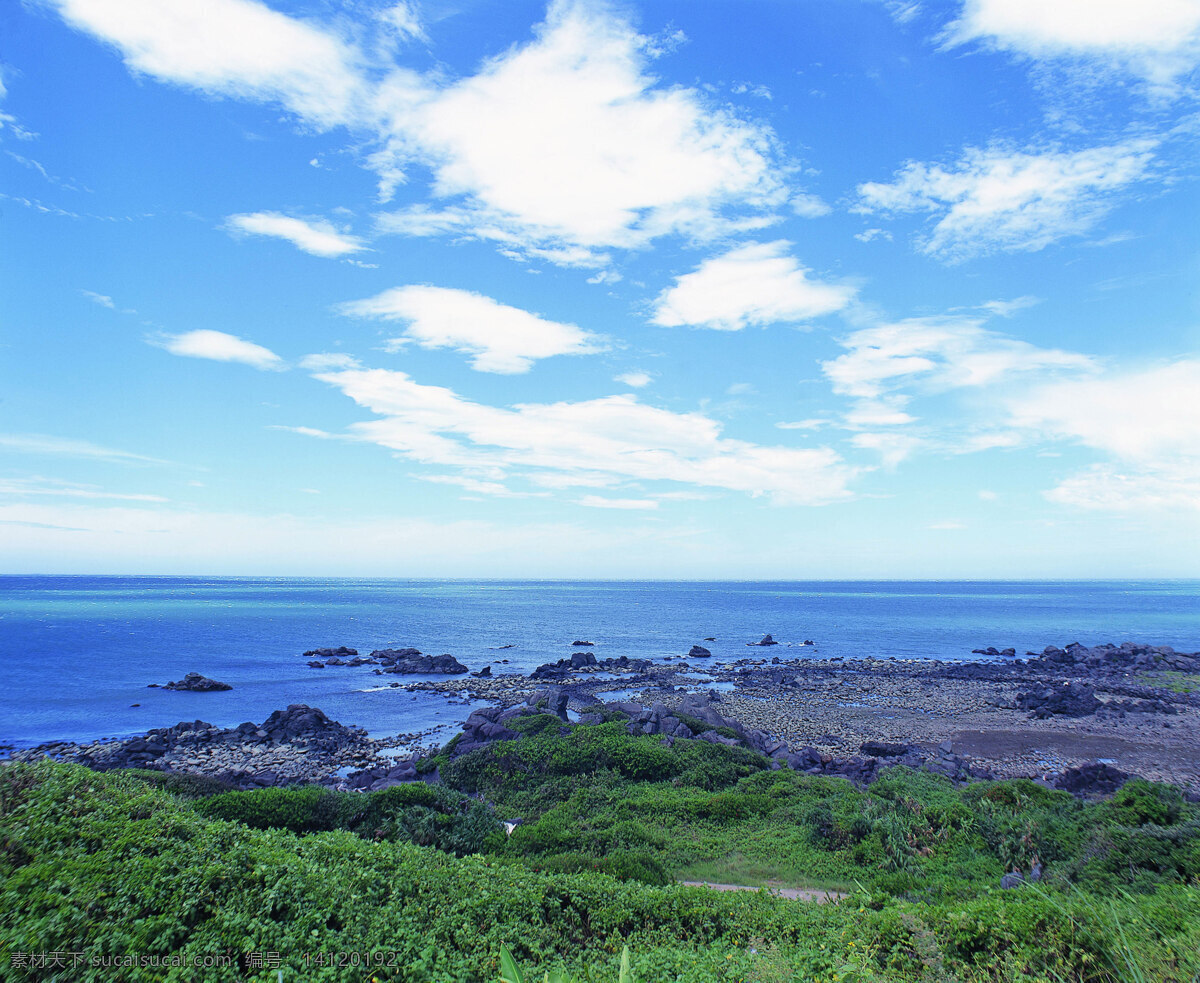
x: 77, y: 652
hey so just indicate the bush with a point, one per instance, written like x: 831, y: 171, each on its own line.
x: 301, y: 809
x: 1139, y: 802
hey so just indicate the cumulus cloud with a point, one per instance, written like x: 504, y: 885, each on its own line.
x: 220, y: 347
x: 1004, y: 200
x: 568, y: 145
x: 614, y: 436
x: 313, y: 236
x: 558, y: 149
x: 754, y: 284
x: 237, y: 48
x: 1159, y: 39
x: 500, y: 338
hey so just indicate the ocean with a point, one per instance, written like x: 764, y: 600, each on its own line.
x: 77, y: 653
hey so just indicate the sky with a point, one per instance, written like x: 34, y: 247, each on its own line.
x: 802, y: 289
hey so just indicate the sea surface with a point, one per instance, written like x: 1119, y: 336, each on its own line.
x: 77, y: 653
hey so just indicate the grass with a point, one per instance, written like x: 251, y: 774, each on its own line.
x: 1172, y: 679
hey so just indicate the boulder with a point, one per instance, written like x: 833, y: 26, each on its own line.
x: 577, y: 643
x: 329, y: 653
x: 766, y: 640
x: 698, y: 652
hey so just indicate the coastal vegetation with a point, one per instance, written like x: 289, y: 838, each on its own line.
x: 420, y: 882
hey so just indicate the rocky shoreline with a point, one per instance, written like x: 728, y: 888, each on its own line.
x: 1116, y: 710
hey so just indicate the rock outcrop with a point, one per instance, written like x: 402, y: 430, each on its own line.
x: 193, y: 682
x: 412, y: 661
x: 1068, y: 699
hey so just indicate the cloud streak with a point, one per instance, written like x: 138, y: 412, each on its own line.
x: 219, y: 347
x: 614, y: 437
x: 313, y: 236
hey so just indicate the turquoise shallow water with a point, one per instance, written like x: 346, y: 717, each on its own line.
x: 76, y: 652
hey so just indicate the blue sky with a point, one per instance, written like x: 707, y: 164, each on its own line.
x: 733, y: 288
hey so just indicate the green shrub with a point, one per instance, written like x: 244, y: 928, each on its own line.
x: 1139, y: 802
x: 299, y: 808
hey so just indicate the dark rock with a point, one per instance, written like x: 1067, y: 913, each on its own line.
x: 581, y: 659
x: 766, y: 640
x: 582, y: 644
x: 1091, y: 780
x: 316, y: 665
x: 1011, y: 880
x: 698, y: 652
x: 484, y: 673
x: 193, y: 682
x: 1068, y: 699
x: 411, y: 661
x: 329, y: 653
x: 878, y: 749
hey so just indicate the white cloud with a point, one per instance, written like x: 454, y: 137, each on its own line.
x: 1150, y: 415
x: 987, y: 495
x: 313, y: 236
x: 1007, y: 200
x: 936, y: 354
x: 635, y: 504
x: 605, y: 277
x: 220, y: 347
x: 891, y: 446
x: 1159, y: 39
x: 813, y: 423
x: 755, y: 284
x: 323, y: 361
x: 1108, y: 489
x: 635, y: 379
x: 878, y: 413
x: 66, y: 489
x: 615, y: 436
x: 404, y: 20
x: 1147, y: 420
x: 102, y: 299
x: 1007, y: 308
x: 566, y: 143
x: 32, y: 443
x: 237, y: 48
x: 558, y: 149
x: 867, y: 235
x: 478, y: 486
x: 501, y: 339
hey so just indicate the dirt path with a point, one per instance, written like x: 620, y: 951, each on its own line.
x: 792, y: 893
